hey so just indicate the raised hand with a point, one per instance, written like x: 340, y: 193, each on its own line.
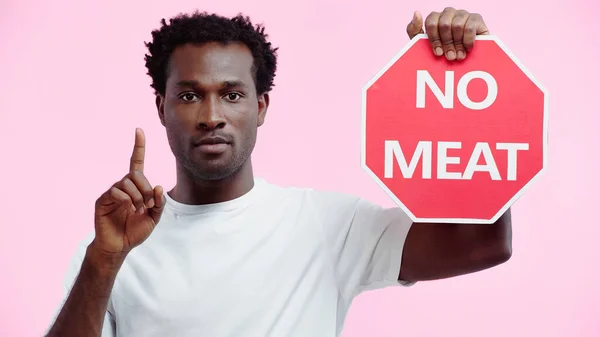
x: 451, y: 32
x: 129, y: 211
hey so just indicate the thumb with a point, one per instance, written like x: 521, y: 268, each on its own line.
x: 159, y: 204
x: 415, y: 26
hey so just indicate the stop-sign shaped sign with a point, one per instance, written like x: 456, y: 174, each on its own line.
x: 454, y: 141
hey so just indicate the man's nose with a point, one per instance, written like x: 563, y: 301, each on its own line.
x: 211, y: 114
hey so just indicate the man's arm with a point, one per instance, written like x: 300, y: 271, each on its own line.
x: 85, y: 308
x: 125, y: 216
x: 437, y: 251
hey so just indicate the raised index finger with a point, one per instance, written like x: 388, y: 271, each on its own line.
x: 139, y: 151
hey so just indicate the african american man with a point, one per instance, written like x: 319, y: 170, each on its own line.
x: 224, y: 253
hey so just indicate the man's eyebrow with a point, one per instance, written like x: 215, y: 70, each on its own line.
x: 233, y: 84
x: 225, y: 84
x: 187, y: 83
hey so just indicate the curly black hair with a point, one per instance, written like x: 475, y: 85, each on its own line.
x: 202, y: 27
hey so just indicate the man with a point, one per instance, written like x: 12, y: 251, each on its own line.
x: 226, y: 254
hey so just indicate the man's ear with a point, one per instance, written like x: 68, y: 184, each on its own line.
x: 160, y: 107
x: 263, y: 106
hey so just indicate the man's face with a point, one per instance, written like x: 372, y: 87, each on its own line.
x: 211, y: 110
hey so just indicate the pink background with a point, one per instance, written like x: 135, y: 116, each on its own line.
x: 73, y: 88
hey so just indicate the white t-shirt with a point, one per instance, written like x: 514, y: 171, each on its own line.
x: 280, y: 262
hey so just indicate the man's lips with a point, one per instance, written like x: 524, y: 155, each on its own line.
x: 212, y: 145
x: 213, y: 140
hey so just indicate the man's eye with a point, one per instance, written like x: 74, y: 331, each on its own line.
x: 188, y: 97
x: 233, y: 96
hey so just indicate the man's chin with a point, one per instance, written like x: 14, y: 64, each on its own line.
x: 203, y: 167
x: 212, y: 170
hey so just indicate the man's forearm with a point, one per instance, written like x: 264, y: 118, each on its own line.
x: 84, y: 310
x: 435, y: 251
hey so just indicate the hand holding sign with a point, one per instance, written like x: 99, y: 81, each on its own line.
x: 127, y: 213
x: 454, y: 142
x: 451, y: 32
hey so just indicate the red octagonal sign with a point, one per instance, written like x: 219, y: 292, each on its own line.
x: 454, y: 141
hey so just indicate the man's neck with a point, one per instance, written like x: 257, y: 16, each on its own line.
x: 193, y: 192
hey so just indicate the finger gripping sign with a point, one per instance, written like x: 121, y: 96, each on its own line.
x: 454, y: 141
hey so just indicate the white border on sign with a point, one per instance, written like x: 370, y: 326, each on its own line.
x: 453, y: 220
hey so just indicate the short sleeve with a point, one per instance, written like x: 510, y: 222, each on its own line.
x: 109, y: 327
x: 365, y: 240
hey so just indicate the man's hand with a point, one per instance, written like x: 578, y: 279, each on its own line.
x: 127, y: 213
x: 451, y: 32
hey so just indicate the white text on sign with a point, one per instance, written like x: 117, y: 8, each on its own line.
x: 446, y: 98
x: 424, y: 152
